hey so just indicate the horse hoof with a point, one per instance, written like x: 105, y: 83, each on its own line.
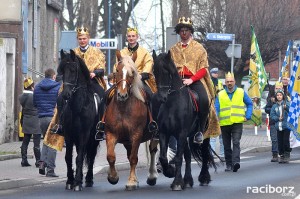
x: 69, y: 186
x: 78, y: 188
x: 151, y: 182
x: 131, y: 187
x: 204, y: 184
x: 176, y: 187
x: 89, y: 184
x: 188, y: 185
x: 112, y: 180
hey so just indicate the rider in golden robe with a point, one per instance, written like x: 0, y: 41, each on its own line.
x: 95, y: 61
x: 144, y: 65
x: 191, y: 61
x: 144, y: 61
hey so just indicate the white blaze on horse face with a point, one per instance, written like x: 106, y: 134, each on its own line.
x: 124, y: 77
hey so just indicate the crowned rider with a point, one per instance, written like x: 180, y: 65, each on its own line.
x: 144, y: 65
x: 191, y: 61
x: 95, y: 61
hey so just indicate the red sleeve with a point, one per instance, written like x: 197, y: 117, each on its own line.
x: 201, y: 73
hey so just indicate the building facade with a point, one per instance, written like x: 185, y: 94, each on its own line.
x: 29, y: 37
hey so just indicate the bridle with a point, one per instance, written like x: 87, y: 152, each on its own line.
x: 74, y: 85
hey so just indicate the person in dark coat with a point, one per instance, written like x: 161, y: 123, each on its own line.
x: 30, y: 123
x: 44, y: 98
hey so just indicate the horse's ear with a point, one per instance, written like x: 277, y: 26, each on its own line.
x: 73, y: 55
x: 118, y: 55
x: 169, y: 55
x: 134, y: 56
x: 154, y: 54
x: 62, y: 54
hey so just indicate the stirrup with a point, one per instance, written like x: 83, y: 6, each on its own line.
x: 100, y: 126
x: 152, y: 126
x: 99, y: 137
x: 198, y: 138
x: 56, y: 129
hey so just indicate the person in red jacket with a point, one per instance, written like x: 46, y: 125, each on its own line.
x: 191, y: 61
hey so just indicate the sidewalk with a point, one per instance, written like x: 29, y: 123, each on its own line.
x: 12, y: 175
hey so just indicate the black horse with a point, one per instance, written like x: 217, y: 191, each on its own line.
x: 79, y: 117
x: 177, y: 116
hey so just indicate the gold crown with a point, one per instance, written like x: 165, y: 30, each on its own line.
x: 132, y: 29
x: 82, y: 31
x: 285, y: 74
x: 27, y: 82
x: 229, y: 75
x: 278, y: 83
x: 187, y: 21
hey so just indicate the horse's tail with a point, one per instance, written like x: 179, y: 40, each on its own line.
x: 202, y: 153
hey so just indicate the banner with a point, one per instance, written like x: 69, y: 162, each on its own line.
x: 285, y: 65
x: 294, y: 111
x: 257, y: 79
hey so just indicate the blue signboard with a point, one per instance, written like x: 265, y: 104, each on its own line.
x: 25, y: 35
x: 219, y: 36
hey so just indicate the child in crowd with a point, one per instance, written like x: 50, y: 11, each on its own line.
x: 279, y: 114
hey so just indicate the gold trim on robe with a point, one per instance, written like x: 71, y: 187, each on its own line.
x: 194, y: 57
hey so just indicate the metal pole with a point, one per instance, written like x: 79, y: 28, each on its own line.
x: 109, y: 28
x: 232, y: 52
x: 279, y: 63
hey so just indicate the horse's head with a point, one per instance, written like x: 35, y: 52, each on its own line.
x: 127, y: 79
x: 74, y: 72
x: 166, y: 75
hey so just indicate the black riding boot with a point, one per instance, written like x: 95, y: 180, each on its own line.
x: 24, y: 162
x: 37, y: 155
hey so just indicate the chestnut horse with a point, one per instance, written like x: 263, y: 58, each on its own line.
x: 126, y: 122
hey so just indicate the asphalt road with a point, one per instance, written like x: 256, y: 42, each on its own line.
x: 258, y: 178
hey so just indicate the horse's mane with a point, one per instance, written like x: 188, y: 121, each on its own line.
x: 137, y: 83
x: 164, y: 62
x: 67, y: 58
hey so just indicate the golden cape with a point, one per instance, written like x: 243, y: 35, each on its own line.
x: 144, y: 64
x: 94, y: 59
x: 194, y: 57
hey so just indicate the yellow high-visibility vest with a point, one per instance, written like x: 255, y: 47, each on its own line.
x: 232, y: 111
x: 220, y: 86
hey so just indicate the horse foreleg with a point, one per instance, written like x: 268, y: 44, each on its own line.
x: 132, y: 152
x: 90, y: 158
x: 112, y: 175
x: 168, y: 170
x: 188, y: 178
x: 152, y: 176
x: 204, y: 176
x: 79, y: 166
x: 68, y: 159
x: 178, y: 183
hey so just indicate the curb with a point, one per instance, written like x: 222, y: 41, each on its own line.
x: 13, y: 156
x: 257, y: 149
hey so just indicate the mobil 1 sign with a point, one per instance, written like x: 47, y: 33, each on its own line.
x: 104, y: 43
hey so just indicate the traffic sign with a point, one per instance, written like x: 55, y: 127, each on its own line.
x: 237, y: 50
x: 219, y: 36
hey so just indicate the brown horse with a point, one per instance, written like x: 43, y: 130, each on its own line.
x: 126, y: 122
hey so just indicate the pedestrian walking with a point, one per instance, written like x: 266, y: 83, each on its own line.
x: 30, y: 123
x: 44, y: 98
x: 279, y: 114
x: 273, y: 131
x: 230, y: 105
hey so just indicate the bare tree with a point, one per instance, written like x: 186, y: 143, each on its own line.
x: 162, y: 25
x: 275, y: 22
